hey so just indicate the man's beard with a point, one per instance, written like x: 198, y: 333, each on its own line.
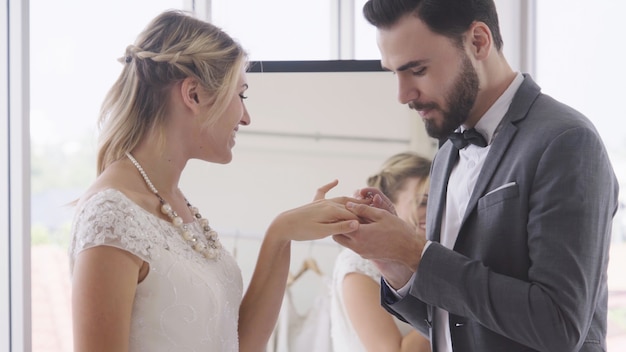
x: 459, y: 102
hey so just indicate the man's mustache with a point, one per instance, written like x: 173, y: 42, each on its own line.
x: 422, y: 106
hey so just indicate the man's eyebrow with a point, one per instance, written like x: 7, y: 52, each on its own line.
x: 411, y: 64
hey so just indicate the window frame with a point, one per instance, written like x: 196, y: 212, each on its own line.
x: 15, y: 292
x: 5, y: 302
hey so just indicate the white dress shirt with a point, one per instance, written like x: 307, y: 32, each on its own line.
x: 460, y: 186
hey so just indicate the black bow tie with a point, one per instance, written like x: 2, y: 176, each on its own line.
x: 471, y: 136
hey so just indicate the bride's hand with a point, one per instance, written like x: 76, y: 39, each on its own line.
x: 318, y: 219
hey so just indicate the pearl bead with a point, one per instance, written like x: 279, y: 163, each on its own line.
x: 177, y: 221
x: 187, y: 235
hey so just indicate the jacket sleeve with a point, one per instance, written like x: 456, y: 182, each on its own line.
x: 414, y: 311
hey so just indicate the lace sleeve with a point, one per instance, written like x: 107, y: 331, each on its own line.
x: 350, y: 262
x: 109, y: 218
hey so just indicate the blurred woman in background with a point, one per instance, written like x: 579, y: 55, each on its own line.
x: 358, y: 321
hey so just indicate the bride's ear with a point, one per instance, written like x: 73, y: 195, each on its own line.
x: 190, y: 90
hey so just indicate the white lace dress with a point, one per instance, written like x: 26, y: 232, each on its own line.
x: 344, y: 337
x: 186, y: 302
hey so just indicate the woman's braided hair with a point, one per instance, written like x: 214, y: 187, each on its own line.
x: 174, y: 46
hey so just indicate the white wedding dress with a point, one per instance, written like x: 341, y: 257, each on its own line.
x: 186, y: 302
x: 344, y: 336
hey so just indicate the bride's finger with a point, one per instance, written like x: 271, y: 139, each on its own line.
x: 321, y: 192
x: 342, y: 227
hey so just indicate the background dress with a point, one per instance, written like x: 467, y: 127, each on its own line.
x: 344, y: 337
x: 307, y: 331
x: 186, y: 302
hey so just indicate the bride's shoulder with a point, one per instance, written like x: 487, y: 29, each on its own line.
x: 348, y: 261
x: 115, y: 183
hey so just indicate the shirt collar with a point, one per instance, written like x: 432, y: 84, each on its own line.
x: 489, y: 122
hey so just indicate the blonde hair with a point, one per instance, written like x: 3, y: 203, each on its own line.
x: 173, y: 46
x: 395, y: 172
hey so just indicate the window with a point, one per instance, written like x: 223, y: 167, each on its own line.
x: 74, y: 46
x: 365, y: 47
x: 279, y: 29
x: 298, y: 30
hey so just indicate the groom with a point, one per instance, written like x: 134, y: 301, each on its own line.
x: 521, y: 198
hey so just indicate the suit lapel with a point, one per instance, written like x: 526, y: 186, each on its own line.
x: 522, y: 101
x: 496, y: 152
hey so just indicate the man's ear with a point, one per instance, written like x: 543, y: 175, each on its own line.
x: 479, y: 35
x: 190, y: 92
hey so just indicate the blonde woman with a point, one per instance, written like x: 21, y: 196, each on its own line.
x: 148, y: 272
x: 359, y: 322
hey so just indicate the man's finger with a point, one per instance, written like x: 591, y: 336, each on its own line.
x: 364, y: 211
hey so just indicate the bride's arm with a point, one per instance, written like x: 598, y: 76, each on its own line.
x: 261, y: 302
x: 104, y: 281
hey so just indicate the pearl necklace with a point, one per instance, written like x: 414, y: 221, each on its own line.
x: 210, y: 248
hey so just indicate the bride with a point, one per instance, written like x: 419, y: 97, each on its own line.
x: 148, y: 271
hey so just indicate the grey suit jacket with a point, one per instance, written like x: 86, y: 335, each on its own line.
x: 529, y: 268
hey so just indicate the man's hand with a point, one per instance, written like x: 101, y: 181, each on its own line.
x: 385, y: 239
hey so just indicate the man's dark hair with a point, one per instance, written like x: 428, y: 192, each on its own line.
x: 450, y: 18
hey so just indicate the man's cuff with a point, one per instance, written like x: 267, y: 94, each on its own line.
x: 394, y: 296
x: 391, y: 295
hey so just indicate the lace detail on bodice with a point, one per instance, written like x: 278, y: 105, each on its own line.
x: 110, y: 218
x: 186, y: 302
